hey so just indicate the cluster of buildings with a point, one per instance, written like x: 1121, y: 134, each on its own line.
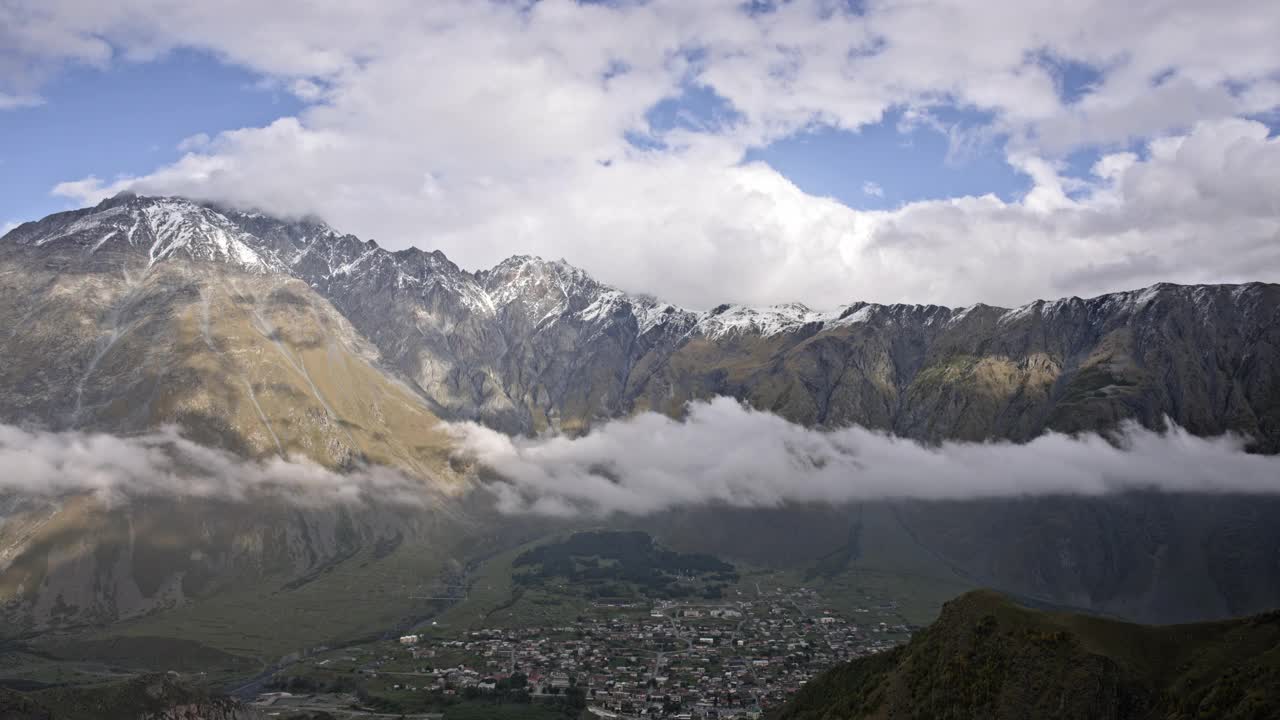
x: 669, y: 660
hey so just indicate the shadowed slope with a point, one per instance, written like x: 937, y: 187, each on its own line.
x: 986, y: 657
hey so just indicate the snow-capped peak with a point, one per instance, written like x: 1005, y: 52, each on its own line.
x: 727, y: 320
x: 180, y: 227
x: 526, y: 288
x: 159, y: 228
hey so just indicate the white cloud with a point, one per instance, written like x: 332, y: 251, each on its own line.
x: 872, y: 189
x: 806, y: 61
x: 50, y: 464
x: 725, y: 454
x: 696, y: 228
x: 13, y: 102
x: 485, y: 129
x: 193, y: 142
x: 89, y: 189
x: 722, y: 453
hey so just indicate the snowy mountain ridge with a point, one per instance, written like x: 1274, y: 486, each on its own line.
x: 168, y: 228
x: 544, y: 291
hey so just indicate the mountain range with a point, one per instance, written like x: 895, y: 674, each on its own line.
x: 530, y: 345
x: 268, y: 337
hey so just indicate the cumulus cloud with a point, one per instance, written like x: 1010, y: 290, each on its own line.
x: 50, y: 464
x: 726, y: 454
x: 698, y: 231
x: 189, y: 143
x: 781, y: 64
x: 872, y: 189
x: 489, y: 128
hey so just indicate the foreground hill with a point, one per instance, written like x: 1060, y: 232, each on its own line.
x: 147, y: 697
x: 987, y: 657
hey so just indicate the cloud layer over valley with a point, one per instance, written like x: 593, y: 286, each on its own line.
x: 723, y: 453
x: 49, y: 464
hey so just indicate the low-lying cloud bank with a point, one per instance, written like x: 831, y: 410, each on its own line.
x: 722, y: 453
x: 727, y: 454
x: 50, y: 464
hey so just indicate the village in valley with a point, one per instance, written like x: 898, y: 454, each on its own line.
x: 735, y: 657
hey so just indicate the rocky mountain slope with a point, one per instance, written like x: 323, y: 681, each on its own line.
x: 532, y: 345
x: 131, y: 335
x: 986, y: 657
x: 169, y: 318
x: 284, y: 338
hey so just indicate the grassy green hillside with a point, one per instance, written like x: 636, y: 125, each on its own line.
x: 987, y: 657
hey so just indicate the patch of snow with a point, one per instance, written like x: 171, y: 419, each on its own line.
x: 1021, y: 312
x: 349, y: 267
x: 93, y: 221
x: 960, y: 315
x: 403, y: 279
x: 179, y: 226
x: 604, y: 306
x: 650, y: 315
x: 861, y: 315
x: 773, y: 320
x: 137, y: 220
x: 103, y: 240
x: 476, y: 299
x: 1145, y: 297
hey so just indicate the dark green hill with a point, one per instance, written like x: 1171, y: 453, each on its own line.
x: 989, y: 658
x: 146, y: 697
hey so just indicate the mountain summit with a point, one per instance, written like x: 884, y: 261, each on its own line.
x: 273, y: 338
x: 533, y: 345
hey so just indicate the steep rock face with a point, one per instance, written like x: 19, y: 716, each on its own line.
x: 97, y: 336
x: 140, y: 314
x: 533, y: 345
x: 272, y: 337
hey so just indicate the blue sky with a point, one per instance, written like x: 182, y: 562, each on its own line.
x: 127, y: 119
x: 688, y: 150
x: 905, y: 164
x: 878, y: 166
